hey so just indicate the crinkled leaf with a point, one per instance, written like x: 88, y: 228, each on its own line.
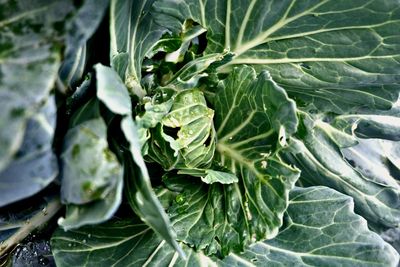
x: 391, y: 151
x: 392, y: 236
x: 254, y: 117
x: 211, y: 176
x: 90, y: 171
x: 224, y: 218
x: 338, y: 55
x: 369, y: 159
x: 34, y: 166
x: 219, y: 177
x: 187, y: 133
x: 370, y: 126
x: 155, y: 111
x: 30, y: 56
x: 112, y: 91
x: 321, y: 229
x: 118, y: 243
x: 319, y: 157
x: 139, y: 191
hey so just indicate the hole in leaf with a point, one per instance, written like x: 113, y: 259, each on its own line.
x: 305, y: 66
x: 202, y: 43
x: 351, y: 162
x: 208, y: 141
x: 393, y: 170
x: 173, y: 132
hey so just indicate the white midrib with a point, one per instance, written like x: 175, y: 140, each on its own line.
x: 244, y: 23
x: 233, y: 154
x: 335, y: 176
x: 238, y: 128
x: 113, y: 37
x: 99, y: 247
x: 280, y: 24
x: 131, y: 44
x: 228, y: 25
x: 297, y: 60
x: 154, y: 253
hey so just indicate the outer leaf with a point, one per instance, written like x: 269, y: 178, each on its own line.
x: 253, y: 119
x: 392, y: 236
x: 90, y: 169
x: 34, y: 166
x: 338, y: 54
x: 319, y: 157
x: 222, y: 218
x: 29, y: 60
x: 369, y: 159
x: 392, y: 153
x: 139, y: 191
x: 320, y: 230
x: 132, y: 31
x: 370, y: 126
x: 93, y: 212
x: 112, y: 92
x: 118, y: 243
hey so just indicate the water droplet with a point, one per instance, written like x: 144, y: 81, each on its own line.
x: 190, y: 132
x: 84, y: 241
x: 43, y: 260
x: 89, y: 235
x: 69, y: 245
